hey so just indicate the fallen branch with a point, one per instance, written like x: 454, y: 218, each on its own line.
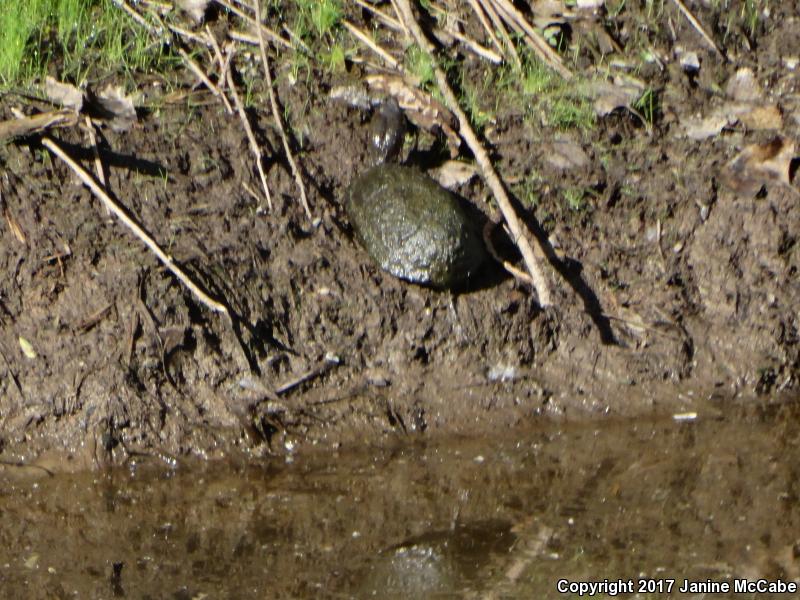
x: 37, y: 123
x: 490, y: 175
x: 122, y: 215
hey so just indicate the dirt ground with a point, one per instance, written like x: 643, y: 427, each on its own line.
x: 673, y: 291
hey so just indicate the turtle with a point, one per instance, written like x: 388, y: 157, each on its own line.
x: 409, y: 225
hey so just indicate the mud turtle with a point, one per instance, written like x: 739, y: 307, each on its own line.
x: 410, y: 226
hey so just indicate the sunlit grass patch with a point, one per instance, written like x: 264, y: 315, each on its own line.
x: 69, y: 39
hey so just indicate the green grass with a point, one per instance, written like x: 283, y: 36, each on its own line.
x: 317, y: 19
x: 317, y: 24
x: 71, y: 40
x: 559, y: 103
x: 648, y: 106
x: 420, y: 64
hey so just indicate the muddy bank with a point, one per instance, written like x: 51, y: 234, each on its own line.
x: 673, y: 293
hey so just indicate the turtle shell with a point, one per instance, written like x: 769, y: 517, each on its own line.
x: 413, y: 228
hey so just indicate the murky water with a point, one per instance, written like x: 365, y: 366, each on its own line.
x: 711, y: 499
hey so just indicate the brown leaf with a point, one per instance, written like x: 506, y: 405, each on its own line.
x: 63, y: 94
x: 743, y: 86
x: 196, y: 9
x: 566, y: 154
x: 608, y: 96
x: 114, y: 106
x: 453, y: 173
x: 421, y: 108
x: 759, y: 164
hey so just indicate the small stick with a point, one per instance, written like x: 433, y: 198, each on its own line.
x: 254, y: 147
x: 325, y: 365
x: 490, y: 175
x: 367, y: 41
x: 122, y: 215
x: 297, y: 39
x: 475, y: 47
x: 396, y: 9
x: 539, y: 45
x: 700, y: 29
x: 476, y: 7
x: 276, y: 115
x: 135, y: 15
x: 223, y: 62
x: 390, y: 22
x: 514, y: 271
x: 273, y: 37
x: 195, y: 68
x: 98, y: 164
x: 498, y: 24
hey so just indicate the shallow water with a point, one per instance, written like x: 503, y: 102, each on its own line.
x: 715, y: 498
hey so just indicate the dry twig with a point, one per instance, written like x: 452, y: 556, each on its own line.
x: 498, y: 24
x: 476, y: 7
x: 367, y: 41
x: 489, y: 174
x: 251, y: 138
x: 276, y: 115
x: 271, y: 35
x: 700, y: 29
x: 98, y: 164
x: 390, y: 22
x: 195, y: 68
x: 122, y: 215
x: 542, y: 49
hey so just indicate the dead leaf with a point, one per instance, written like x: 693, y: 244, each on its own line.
x: 761, y: 117
x: 760, y: 164
x: 114, y: 106
x: 196, y: 9
x: 609, y: 96
x: 566, y: 154
x: 63, y: 94
x: 13, y: 225
x: 27, y: 348
x: 453, y: 174
x: 752, y: 117
x: 701, y: 128
x: 743, y: 86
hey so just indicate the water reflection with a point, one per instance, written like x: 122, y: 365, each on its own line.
x: 712, y: 499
